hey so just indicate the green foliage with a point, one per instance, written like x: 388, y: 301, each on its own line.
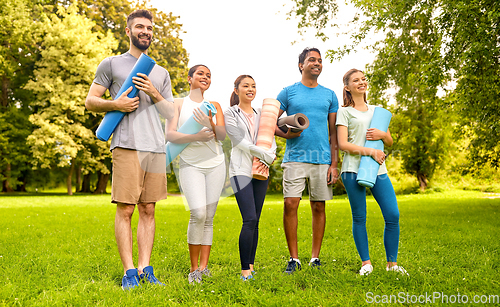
x: 15, y: 154
x: 168, y: 51
x: 166, y: 48
x: 275, y: 171
x: 18, y: 34
x: 317, y: 14
x: 410, y: 62
x: 107, y: 15
x: 473, y: 53
x: 69, y: 57
x: 61, y: 251
x: 422, y: 140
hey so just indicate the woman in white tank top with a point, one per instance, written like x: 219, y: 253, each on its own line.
x: 202, y: 171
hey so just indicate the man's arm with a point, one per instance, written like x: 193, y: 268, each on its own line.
x: 289, y: 134
x: 94, y: 101
x: 143, y: 83
x: 333, y: 171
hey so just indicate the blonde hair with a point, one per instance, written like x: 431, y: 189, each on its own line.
x: 346, y: 95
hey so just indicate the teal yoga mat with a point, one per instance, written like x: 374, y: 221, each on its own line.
x: 368, y: 167
x: 190, y: 126
x: 111, y: 120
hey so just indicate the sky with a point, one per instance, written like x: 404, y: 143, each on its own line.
x: 255, y: 38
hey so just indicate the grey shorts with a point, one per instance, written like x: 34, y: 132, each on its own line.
x: 294, y: 180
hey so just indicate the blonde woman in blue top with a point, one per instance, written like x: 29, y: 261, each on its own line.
x: 353, y: 121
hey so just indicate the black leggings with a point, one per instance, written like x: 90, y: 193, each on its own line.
x: 250, y: 194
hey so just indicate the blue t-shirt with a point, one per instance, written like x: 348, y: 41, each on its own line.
x: 313, y: 145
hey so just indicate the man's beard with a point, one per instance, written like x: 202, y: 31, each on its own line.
x: 142, y: 46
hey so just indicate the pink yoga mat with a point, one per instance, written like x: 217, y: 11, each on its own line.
x: 268, y: 118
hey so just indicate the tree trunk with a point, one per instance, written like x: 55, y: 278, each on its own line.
x: 22, y: 187
x: 5, y: 92
x: 5, y: 184
x: 86, y: 184
x: 68, y: 179
x: 422, y: 180
x: 102, y: 182
x: 78, y: 178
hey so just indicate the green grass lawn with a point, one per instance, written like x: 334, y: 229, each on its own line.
x: 58, y: 250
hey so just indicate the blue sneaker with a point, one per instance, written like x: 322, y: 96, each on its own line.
x: 315, y: 263
x: 292, y: 266
x: 130, y: 280
x: 150, y: 276
x: 248, y: 278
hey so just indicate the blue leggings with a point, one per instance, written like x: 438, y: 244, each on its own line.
x: 386, y: 199
x: 250, y: 194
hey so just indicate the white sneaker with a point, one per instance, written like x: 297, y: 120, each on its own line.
x: 195, y: 276
x: 397, y: 268
x: 366, y: 270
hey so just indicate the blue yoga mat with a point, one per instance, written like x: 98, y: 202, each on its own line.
x: 368, y: 167
x: 190, y: 126
x: 111, y: 120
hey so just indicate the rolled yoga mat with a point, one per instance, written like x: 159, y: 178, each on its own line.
x: 267, y: 126
x: 190, y: 126
x: 111, y: 120
x: 296, y: 122
x: 368, y: 167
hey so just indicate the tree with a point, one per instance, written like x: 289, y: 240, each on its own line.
x: 15, y: 153
x: 166, y: 48
x: 425, y: 45
x: 107, y: 15
x: 18, y: 53
x: 17, y: 49
x: 409, y: 61
x: 168, y: 51
x: 472, y: 51
x: 69, y: 57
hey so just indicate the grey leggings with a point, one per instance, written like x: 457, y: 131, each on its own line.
x: 202, y: 188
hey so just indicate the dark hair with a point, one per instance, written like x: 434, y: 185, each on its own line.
x: 194, y: 68
x: 235, y: 100
x: 347, y: 96
x: 303, y: 55
x: 137, y: 14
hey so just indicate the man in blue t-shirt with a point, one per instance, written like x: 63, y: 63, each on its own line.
x: 310, y: 155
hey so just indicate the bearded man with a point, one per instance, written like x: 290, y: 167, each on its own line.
x: 139, y: 173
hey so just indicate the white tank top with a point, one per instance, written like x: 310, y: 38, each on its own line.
x: 200, y: 154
